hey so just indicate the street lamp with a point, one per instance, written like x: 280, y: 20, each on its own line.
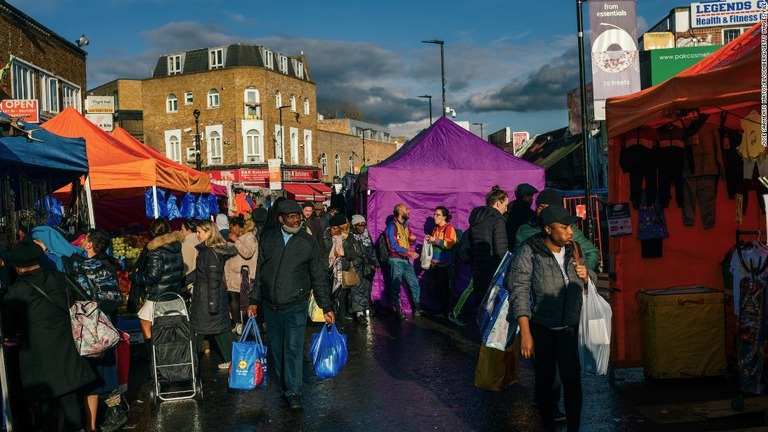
x: 426, y: 96
x: 583, y: 88
x: 363, y: 133
x: 196, y: 113
x: 282, y: 132
x: 442, y: 65
x: 481, y: 128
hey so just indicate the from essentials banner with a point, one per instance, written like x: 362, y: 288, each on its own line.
x: 615, y: 64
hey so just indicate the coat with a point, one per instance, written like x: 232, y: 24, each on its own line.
x: 189, y: 253
x: 538, y: 289
x: 164, y: 269
x: 247, y: 255
x: 286, y: 273
x: 488, y: 242
x: 50, y: 364
x: 532, y: 228
x: 210, y: 306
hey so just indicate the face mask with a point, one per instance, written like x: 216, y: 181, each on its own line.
x: 291, y: 230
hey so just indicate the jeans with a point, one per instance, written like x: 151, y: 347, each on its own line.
x: 285, y: 332
x: 400, y: 269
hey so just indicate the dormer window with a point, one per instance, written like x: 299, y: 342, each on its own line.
x: 216, y: 58
x: 298, y: 68
x: 268, y: 59
x: 174, y: 64
x: 283, y: 65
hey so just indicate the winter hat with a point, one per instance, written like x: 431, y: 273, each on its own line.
x: 524, y: 189
x: 319, y: 206
x: 549, y: 197
x: 259, y: 215
x: 357, y: 219
x: 556, y: 213
x: 288, y: 207
x: 25, y: 253
x: 222, y: 222
x: 337, y: 220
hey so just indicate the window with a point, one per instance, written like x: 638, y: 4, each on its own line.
x: 174, y: 64
x: 306, y: 106
x: 351, y: 164
x: 731, y: 34
x: 298, y: 68
x: 337, y: 165
x: 324, y: 163
x: 294, y: 146
x: 171, y: 104
x: 189, y: 99
x: 70, y: 96
x: 307, y: 147
x: 173, y: 146
x: 293, y: 103
x: 213, y: 98
x: 216, y: 58
x: 268, y: 59
x: 49, y: 92
x: 283, y: 63
x: 215, y: 156
x: 279, y: 142
x: 252, y: 104
x: 253, y: 146
x: 278, y: 99
x: 23, y: 81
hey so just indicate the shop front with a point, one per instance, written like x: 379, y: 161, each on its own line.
x: 300, y: 184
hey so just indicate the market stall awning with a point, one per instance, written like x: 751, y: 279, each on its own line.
x: 321, y: 189
x: 301, y: 192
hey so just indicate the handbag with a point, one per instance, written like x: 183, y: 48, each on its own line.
x: 92, y: 331
x: 249, y: 360
x: 350, y: 278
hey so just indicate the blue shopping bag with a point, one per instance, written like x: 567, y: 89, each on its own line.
x: 249, y: 360
x: 328, y: 351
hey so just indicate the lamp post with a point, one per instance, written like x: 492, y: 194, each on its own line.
x: 481, y: 128
x: 426, y: 96
x: 196, y: 113
x: 363, y: 134
x: 442, y: 66
x: 584, y: 134
x: 282, y: 132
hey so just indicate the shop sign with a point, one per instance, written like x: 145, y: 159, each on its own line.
x: 619, y: 220
x: 254, y: 175
x: 726, y: 13
x: 658, y: 40
x: 300, y: 175
x: 274, y: 174
x: 103, y: 121
x: 615, y: 63
x: 25, y: 109
x: 660, y: 65
x: 100, y: 104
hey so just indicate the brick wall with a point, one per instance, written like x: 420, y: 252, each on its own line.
x: 343, y: 144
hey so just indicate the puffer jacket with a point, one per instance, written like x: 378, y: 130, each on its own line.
x: 286, y: 272
x: 535, y: 275
x: 530, y: 229
x: 210, y: 306
x: 164, y: 268
x: 488, y: 241
x: 247, y: 255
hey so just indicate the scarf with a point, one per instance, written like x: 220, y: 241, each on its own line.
x: 364, y: 239
x: 335, y: 261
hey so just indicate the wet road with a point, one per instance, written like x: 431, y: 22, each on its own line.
x: 412, y: 375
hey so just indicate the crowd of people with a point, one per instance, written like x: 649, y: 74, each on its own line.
x: 269, y: 264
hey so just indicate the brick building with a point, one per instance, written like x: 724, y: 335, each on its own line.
x: 341, y: 144
x: 41, y: 64
x: 128, y: 94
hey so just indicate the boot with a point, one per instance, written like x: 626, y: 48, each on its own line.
x: 115, y: 417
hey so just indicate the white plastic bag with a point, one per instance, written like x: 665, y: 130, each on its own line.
x: 426, y: 255
x: 595, y: 332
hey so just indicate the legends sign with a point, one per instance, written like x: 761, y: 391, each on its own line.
x: 726, y: 13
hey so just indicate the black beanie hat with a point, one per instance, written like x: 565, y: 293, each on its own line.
x: 337, y: 220
x: 25, y: 253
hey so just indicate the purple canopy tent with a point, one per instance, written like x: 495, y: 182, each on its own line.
x: 443, y: 165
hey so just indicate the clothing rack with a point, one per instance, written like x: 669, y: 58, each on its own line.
x: 740, y: 233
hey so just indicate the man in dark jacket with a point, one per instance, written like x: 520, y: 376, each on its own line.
x: 289, y: 267
x: 519, y: 211
x: 318, y: 222
x: 488, y: 237
x: 546, y: 281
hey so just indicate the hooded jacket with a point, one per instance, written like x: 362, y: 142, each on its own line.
x: 210, y: 306
x: 164, y: 268
x: 532, y: 228
x: 247, y: 255
x: 488, y: 241
x: 538, y: 289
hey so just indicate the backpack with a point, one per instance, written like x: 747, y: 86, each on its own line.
x: 463, y: 252
x: 97, y: 280
x: 382, y: 247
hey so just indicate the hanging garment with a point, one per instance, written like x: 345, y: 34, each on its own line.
x: 751, y: 146
x: 701, y: 189
x: 670, y: 159
x: 750, y: 253
x: 735, y: 167
x: 751, y: 328
x: 638, y: 159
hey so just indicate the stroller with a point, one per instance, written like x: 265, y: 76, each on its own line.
x: 174, y: 362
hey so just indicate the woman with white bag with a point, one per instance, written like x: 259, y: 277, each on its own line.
x: 546, y: 281
x: 442, y: 240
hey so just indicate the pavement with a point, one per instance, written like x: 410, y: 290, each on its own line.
x: 417, y: 375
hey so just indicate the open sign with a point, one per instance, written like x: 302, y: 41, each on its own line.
x: 26, y: 109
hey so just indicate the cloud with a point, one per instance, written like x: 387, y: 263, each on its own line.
x: 188, y: 35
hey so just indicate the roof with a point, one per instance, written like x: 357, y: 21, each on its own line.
x: 550, y: 147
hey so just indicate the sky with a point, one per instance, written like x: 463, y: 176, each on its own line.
x: 508, y: 63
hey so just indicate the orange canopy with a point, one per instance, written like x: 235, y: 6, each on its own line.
x: 196, y: 180
x: 728, y: 78
x: 112, y: 163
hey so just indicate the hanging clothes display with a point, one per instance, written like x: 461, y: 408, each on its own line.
x: 701, y: 169
x: 638, y: 159
x: 751, y: 325
x: 670, y: 164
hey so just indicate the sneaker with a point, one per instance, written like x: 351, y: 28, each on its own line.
x: 114, y: 419
x: 558, y: 415
x: 294, y: 403
x: 361, y: 319
x: 417, y: 312
x: 224, y: 366
x: 238, y: 329
x: 456, y: 321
